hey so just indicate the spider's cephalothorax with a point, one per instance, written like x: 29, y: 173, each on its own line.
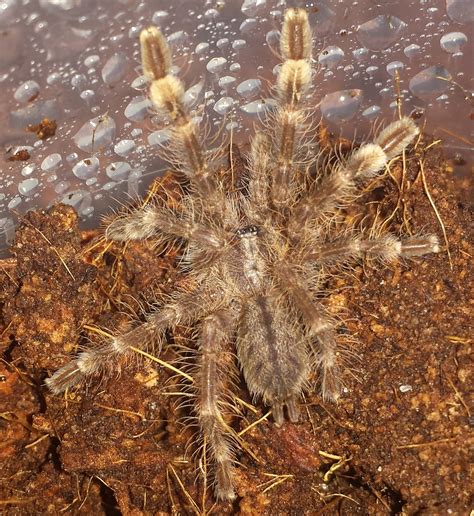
x: 257, y: 255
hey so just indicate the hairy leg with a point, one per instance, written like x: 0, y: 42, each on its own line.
x: 331, y: 191
x: 168, y: 97
x: 385, y: 248
x: 290, y: 118
x: 154, y: 220
x: 104, y: 358
x: 212, y: 372
x: 320, y: 328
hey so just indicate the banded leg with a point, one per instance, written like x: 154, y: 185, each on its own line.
x: 293, y: 82
x: 167, y: 96
x: 321, y: 332
x: 102, y: 359
x: 260, y: 164
x: 154, y: 220
x: 385, y: 248
x: 327, y: 195
x: 210, y: 387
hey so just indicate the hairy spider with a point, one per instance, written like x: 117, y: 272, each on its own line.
x: 258, y: 256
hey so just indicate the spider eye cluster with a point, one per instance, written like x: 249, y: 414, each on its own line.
x: 249, y: 232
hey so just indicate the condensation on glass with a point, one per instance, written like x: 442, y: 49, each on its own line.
x: 76, y: 62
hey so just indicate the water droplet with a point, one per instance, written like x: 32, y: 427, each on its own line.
x: 249, y: 88
x: 140, y: 83
x: 158, y: 137
x: 91, y: 61
x: 238, y: 44
x: 28, y: 186
x: 159, y: 17
x: 461, y: 11
x: 395, y: 67
x: 61, y: 187
x: 360, y: 54
x: 253, y: 7
x: 431, y: 82
x: 34, y: 113
x: 114, y: 69
x: 79, y: 199
x: 118, y: 170
x: 223, y: 105
x: 322, y: 20
x: 78, y: 81
x: 248, y: 25
x: 137, y: 108
x: 202, y: 48
x: 27, y: 91
x: 453, y: 42
x: 226, y: 81
x: 95, y: 134
x: 86, y: 168
x: 216, y: 64
x: 341, y: 106
x: 16, y: 201
x: 258, y: 107
x: 87, y: 95
x: 380, y: 32
x: 412, y: 50
x: 51, y: 162
x: 331, y: 56
x: 177, y: 38
x: 371, y: 112
x: 28, y: 170
x: 211, y: 14
x: 193, y: 95
x: 124, y: 147
x: 222, y: 43
x: 53, y: 78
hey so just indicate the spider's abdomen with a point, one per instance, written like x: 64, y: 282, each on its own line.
x: 273, y: 354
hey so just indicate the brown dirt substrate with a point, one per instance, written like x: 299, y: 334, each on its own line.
x: 397, y: 442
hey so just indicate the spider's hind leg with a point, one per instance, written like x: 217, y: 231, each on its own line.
x: 210, y: 389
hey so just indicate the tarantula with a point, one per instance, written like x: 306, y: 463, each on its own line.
x: 258, y: 256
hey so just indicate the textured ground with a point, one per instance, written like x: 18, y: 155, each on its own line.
x: 397, y: 442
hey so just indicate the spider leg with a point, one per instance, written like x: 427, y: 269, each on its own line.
x: 336, y: 188
x: 385, y: 248
x: 260, y: 164
x: 167, y: 96
x: 155, y: 220
x: 216, y: 329
x: 99, y: 360
x: 290, y: 118
x: 320, y: 328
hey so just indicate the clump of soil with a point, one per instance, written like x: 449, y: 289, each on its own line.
x: 397, y: 442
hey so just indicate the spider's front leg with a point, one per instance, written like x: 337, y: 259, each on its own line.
x: 290, y: 118
x: 162, y: 223
x: 168, y: 97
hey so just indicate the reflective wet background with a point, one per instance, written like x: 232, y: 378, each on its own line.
x: 76, y: 62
